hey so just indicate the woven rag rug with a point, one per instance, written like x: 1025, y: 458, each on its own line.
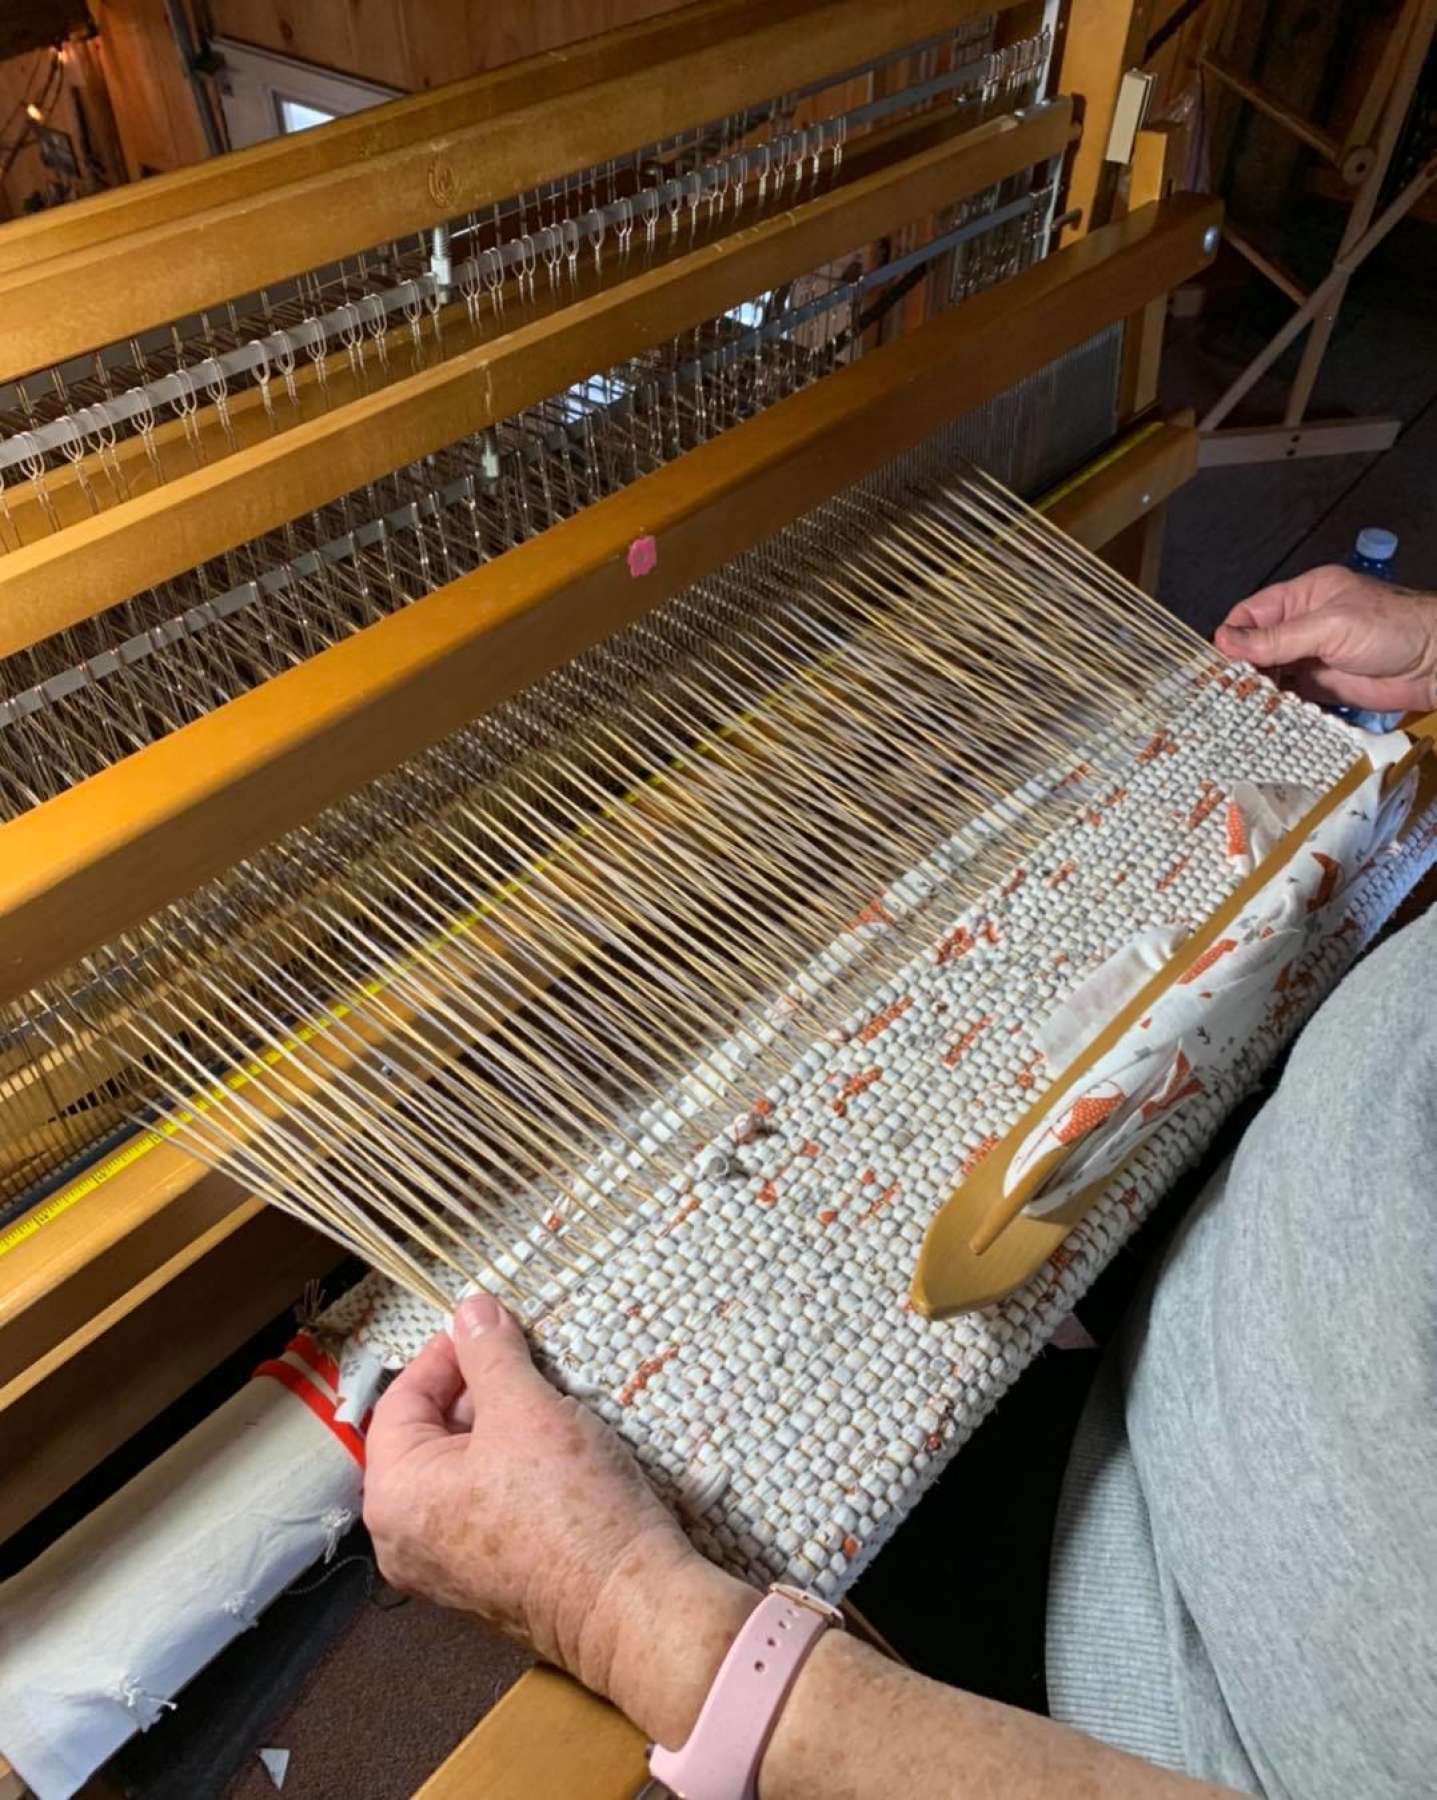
x: 752, y: 1338
x: 751, y: 1335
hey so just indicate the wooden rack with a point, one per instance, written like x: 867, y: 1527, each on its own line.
x: 1363, y: 157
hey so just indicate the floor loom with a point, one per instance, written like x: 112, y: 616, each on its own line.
x: 616, y: 466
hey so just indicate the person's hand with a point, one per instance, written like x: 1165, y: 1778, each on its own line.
x: 487, y: 1489
x: 1342, y: 639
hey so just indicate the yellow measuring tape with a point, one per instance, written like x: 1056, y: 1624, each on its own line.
x: 88, y: 1183
x: 1090, y: 470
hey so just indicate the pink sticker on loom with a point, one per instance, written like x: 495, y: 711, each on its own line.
x: 643, y: 556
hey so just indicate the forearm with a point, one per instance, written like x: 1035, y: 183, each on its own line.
x: 855, y: 1723
x: 532, y: 1514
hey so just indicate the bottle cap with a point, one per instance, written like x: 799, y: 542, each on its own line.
x: 1376, y: 544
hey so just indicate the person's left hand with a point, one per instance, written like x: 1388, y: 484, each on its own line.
x: 1341, y: 639
x: 487, y: 1489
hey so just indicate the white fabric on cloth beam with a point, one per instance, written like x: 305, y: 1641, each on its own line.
x: 101, y: 1630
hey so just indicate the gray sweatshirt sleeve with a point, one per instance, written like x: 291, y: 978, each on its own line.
x: 1245, y: 1568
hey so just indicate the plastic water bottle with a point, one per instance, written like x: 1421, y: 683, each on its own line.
x: 1374, y: 554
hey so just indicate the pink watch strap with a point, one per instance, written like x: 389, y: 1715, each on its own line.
x: 721, y: 1758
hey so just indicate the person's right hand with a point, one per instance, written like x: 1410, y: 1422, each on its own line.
x: 488, y: 1489
x: 1341, y: 639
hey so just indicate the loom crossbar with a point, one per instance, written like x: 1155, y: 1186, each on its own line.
x: 129, y: 283
x: 56, y: 581
x: 98, y: 859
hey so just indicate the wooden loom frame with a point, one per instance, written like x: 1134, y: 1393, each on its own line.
x: 98, y: 1286
x: 56, y: 581
x: 110, y: 852
x: 57, y: 1294
x: 254, y: 220
x: 247, y: 423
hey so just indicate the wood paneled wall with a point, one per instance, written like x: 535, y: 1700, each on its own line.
x: 21, y: 78
x: 416, y: 44
x: 155, y: 106
x: 63, y: 88
x: 139, y: 107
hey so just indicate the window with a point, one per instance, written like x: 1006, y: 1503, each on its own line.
x: 265, y: 95
x: 295, y: 115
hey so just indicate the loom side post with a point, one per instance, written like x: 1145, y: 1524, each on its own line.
x: 1137, y: 552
